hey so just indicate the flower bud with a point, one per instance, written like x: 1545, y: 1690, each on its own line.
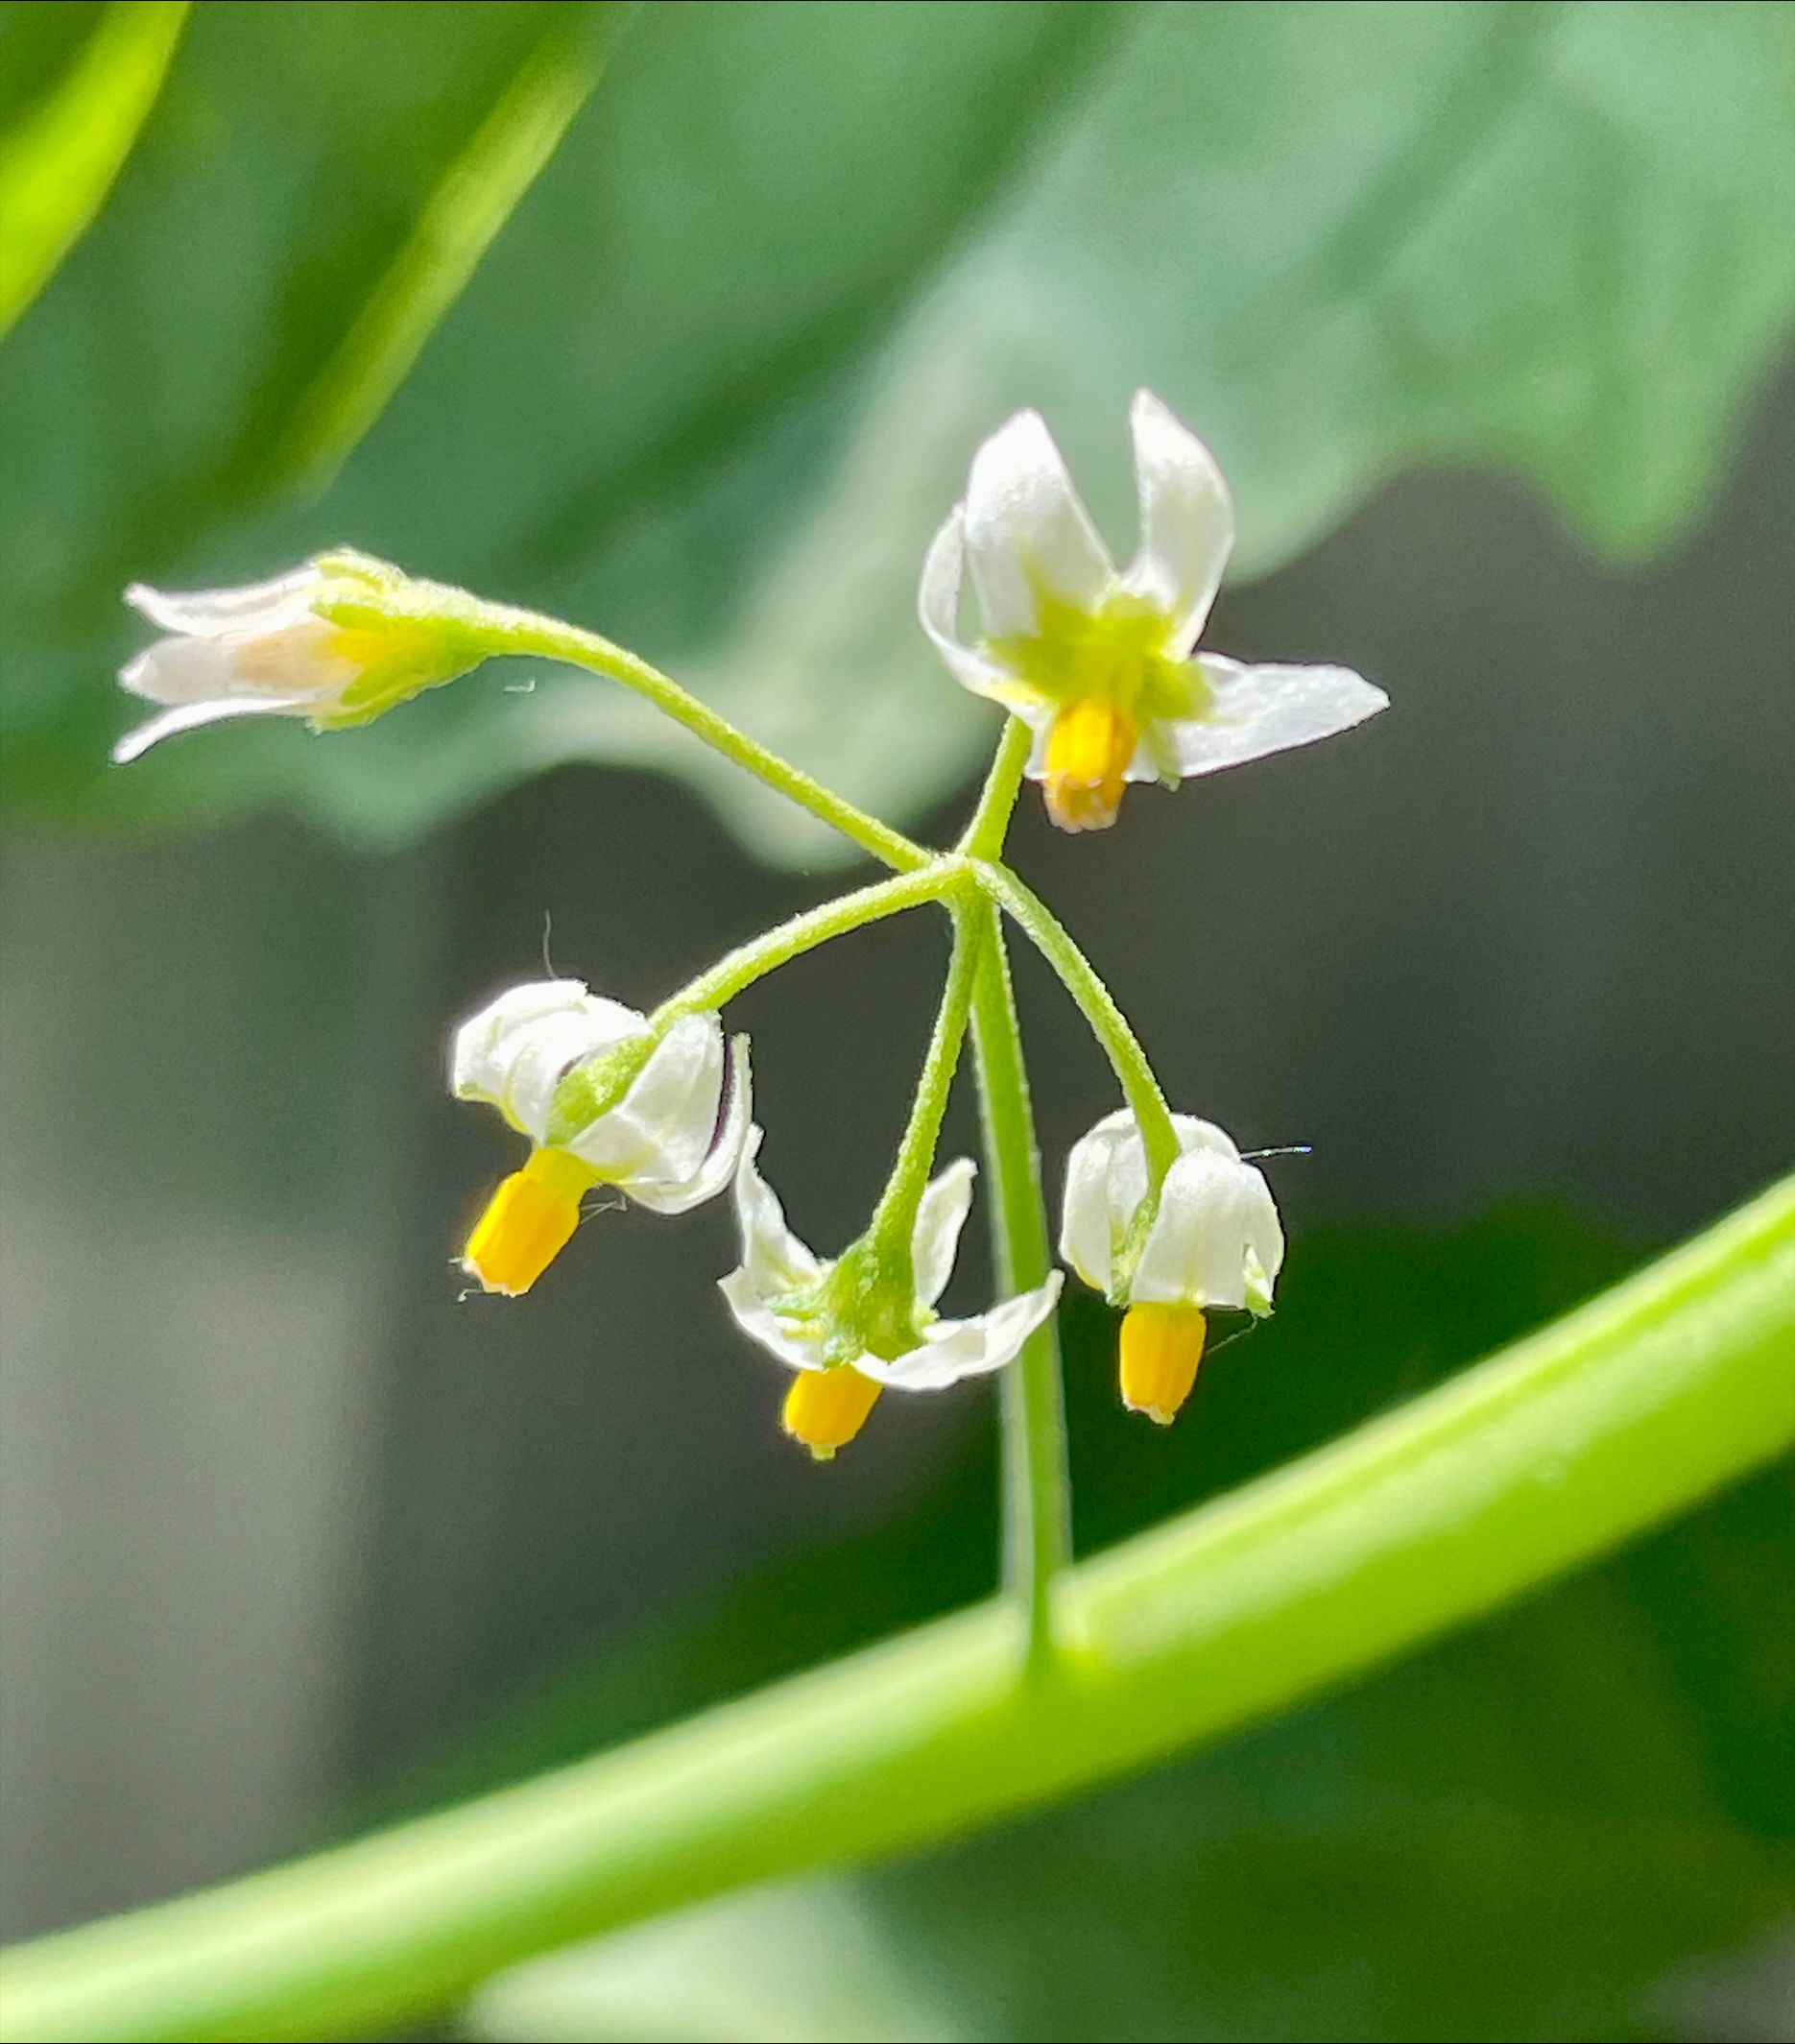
x: 276, y: 649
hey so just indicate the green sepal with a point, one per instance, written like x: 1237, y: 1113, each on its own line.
x: 596, y: 1086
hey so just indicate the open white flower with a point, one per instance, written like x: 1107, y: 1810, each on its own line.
x: 1103, y: 666
x: 779, y: 1296
x: 265, y: 651
x: 659, y: 1142
x: 1213, y: 1241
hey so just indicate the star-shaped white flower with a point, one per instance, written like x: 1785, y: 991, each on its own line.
x: 265, y: 651
x: 1103, y: 666
x: 661, y: 1143
x: 777, y: 1296
x: 1213, y: 1241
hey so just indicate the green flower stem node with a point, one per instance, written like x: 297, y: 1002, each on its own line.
x: 1613, y: 1418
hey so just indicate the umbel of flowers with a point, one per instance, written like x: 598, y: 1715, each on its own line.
x: 1104, y: 683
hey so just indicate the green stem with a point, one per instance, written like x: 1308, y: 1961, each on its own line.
x: 984, y: 835
x: 893, y: 1219
x: 501, y: 630
x: 1097, y: 1004
x: 739, y: 969
x: 1569, y: 1442
x: 1036, y: 1485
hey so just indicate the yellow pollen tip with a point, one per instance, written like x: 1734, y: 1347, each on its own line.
x: 1162, y: 1347
x: 527, y: 1222
x: 825, y: 1408
x: 1088, y: 754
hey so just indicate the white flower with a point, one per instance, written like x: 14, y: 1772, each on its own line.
x: 265, y: 651
x: 1215, y: 1241
x: 1103, y: 667
x: 661, y: 1143
x: 777, y: 1296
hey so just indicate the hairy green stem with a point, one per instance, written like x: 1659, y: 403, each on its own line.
x: 984, y: 835
x: 1107, y: 1023
x: 893, y: 1219
x: 1571, y: 1440
x: 497, y: 629
x: 1037, y: 1482
x: 739, y: 969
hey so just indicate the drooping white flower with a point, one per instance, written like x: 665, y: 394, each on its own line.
x: 779, y: 1296
x: 1103, y: 666
x: 659, y: 1142
x: 1213, y: 1241
x: 265, y: 650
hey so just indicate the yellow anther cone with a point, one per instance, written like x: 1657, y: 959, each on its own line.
x: 1162, y: 1347
x: 1088, y: 754
x: 825, y: 1408
x: 527, y: 1222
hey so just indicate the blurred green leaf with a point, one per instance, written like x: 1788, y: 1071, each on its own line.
x: 718, y: 378
x: 60, y: 154
x: 1517, y: 1832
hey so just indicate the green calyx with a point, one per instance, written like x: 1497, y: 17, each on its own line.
x: 1118, y: 655
x: 863, y: 1305
x: 596, y: 1086
x: 404, y: 635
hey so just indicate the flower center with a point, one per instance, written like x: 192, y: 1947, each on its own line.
x: 1162, y: 1347
x: 1089, y: 750
x: 825, y: 1408
x: 527, y: 1222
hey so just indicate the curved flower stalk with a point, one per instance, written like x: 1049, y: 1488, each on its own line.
x: 1213, y: 1241
x: 659, y: 1139
x: 269, y: 650
x: 1102, y: 666
x: 849, y: 1330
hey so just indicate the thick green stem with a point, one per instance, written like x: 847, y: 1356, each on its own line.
x: 1036, y: 1485
x: 1097, y: 1004
x: 1571, y: 1441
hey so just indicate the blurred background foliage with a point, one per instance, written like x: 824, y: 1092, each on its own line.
x: 683, y: 320
x: 712, y: 397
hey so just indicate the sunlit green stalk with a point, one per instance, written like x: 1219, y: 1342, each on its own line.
x: 893, y: 1219
x: 739, y: 969
x: 506, y: 631
x: 1037, y: 1479
x: 1097, y: 1004
x: 1514, y: 1472
x: 990, y: 826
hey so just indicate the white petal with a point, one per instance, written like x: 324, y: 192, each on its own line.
x: 662, y: 1130
x: 517, y: 1048
x: 1106, y: 1179
x: 938, y: 605
x: 757, y: 1320
x: 773, y: 1261
x: 207, y: 613
x: 189, y: 716
x: 1211, y: 1211
x: 181, y: 670
x: 940, y: 1215
x: 1257, y: 711
x: 1186, y: 520
x: 1025, y: 525
x: 953, y: 1349
x: 719, y: 1167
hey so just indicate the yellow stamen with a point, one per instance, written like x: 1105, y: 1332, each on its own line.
x: 527, y: 1222
x: 1088, y: 754
x: 825, y: 1408
x: 1162, y: 1347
